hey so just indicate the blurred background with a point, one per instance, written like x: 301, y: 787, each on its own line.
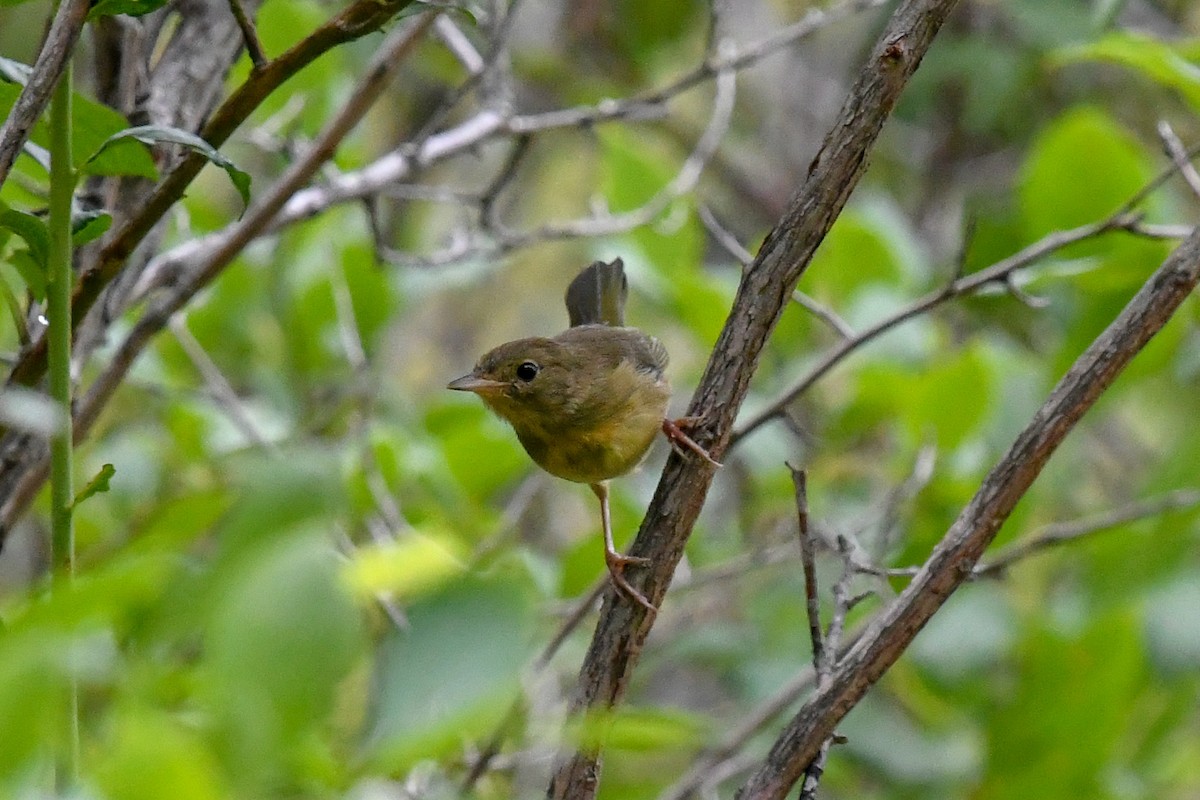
x: 318, y: 573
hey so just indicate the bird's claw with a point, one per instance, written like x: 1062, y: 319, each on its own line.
x: 677, y: 436
x: 616, y: 563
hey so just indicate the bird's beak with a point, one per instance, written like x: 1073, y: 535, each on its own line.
x: 471, y: 383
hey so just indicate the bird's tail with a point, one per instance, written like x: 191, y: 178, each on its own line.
x: 597, y: 295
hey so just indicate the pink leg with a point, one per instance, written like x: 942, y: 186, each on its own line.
x: 616, y: 562
x: 674, y: 429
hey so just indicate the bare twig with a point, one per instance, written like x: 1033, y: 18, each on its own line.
x: 954, y: 557
x: 812, y: 601
x: 727, y: 240
x: 1179, y: 156
x: 1055, y: 534
x: 707, y: 769
x: 1062, y: 532
x: 58, y: 47
x: 220, y: 388
x: 375, y: 79
x: 254, y: 48
x: 996, y: 273
x: 457, y: 43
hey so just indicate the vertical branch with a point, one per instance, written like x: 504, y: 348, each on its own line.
x: 58, y: 302
x: 812, y: 602
x: 58, y: 310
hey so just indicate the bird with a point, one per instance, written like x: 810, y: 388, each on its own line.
x: 587, y: 404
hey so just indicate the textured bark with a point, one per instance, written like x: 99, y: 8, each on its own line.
x: 953, y: 560
x: 765, y: 289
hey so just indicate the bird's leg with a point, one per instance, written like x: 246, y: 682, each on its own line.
x: 616, y: 562
x: 677, y: 436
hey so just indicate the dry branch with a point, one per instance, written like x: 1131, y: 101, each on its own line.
x: 764, y: 290
x: 955, y: 556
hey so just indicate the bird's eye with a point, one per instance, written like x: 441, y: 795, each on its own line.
x: 527, y: 371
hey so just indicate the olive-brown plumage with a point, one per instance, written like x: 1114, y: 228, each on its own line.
x: 586, y: 404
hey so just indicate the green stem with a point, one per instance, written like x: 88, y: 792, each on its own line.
x: 58, y: 302
x: 58, y: 312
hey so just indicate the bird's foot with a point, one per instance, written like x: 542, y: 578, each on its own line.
x: 676, y: 432
x: 616, y: 563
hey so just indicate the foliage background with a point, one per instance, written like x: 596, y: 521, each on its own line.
x: 286, y: 455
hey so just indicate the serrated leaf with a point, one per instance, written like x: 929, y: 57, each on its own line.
x: 87, y: 226
x: 159, y: 134
x: 133, y: 8
x: 30, y: 228
x: 97, y: 485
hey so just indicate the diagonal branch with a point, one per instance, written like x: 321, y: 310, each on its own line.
x: 953, y: 559
x: 388, y: 58
x: 353, y: 22
x: 59, y: 46
x: 765, y: 288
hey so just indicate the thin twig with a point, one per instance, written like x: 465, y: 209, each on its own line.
x: 706, y: 770
x: 1179, y: 156
x: 218, y: 386
x: 727, y: 240
x: 375, y: 79
x: 812, y: 602
x: 254, y: 48
x: 970, y: 284
x: 1061, y: 532
x: 955, y: 556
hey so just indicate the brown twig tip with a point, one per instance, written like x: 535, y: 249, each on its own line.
x: 254, y: 48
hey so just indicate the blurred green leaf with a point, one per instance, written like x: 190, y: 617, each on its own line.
x: 452, y: 674
x: 1062, y: 715
x: 1160, y: 61
x: 32, y: 230
x: 283, y: 632
x: 638, y: 730
x: 134, y: 8
x: 407, y: 567
x: 1060, y: 184
x: 88, y: 226
x: 152, y: 755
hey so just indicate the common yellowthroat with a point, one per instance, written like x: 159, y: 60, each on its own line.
x: 587, y: 403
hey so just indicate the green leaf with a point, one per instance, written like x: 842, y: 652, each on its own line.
x: 152, y: 754
x: 87, y: 226
x: 32, y: 272
x: 134, y: 8
x: 97, y: 485
x: 93, y: 123
x: 1162, y: 62
x: 430, y: 697
x: 30, y: 228
x: 1060, y: 184
x: 159, y: 134
x: 282, y: 635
